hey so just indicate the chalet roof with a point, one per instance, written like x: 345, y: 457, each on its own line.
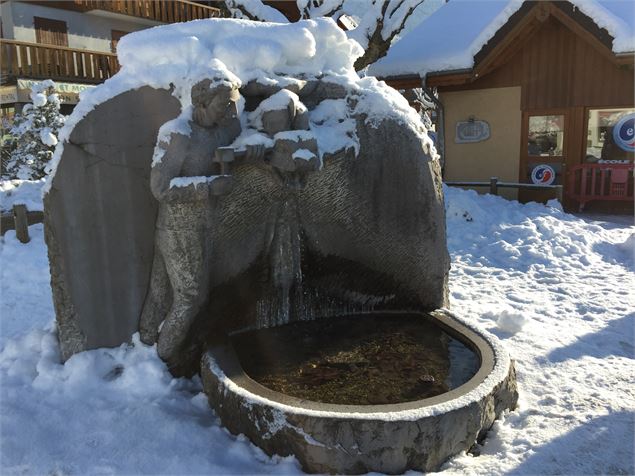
x: 449, y: 39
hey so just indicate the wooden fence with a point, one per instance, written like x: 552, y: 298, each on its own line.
x: 19, y: 220
x: 600, y: 182
x: 494, y: 185
x: 32, y: 60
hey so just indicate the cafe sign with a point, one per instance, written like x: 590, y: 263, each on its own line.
x: 67, y: 92
x: 8, y: 95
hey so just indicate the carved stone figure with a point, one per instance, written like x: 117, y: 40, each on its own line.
x: 186, y: 182
x: 306, y: 232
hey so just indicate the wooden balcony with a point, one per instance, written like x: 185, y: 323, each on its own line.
x: 38, y: 61
x: 165, y: 11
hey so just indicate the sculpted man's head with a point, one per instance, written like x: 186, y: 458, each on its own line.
x: 214, y: 102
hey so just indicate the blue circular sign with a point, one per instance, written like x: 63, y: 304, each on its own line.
x: 624, y: 133
x: 543, y: 174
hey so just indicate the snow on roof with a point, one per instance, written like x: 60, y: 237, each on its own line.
x: 450, y: 37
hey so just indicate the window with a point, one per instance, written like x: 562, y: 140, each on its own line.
x: 50, y: 32
x: 546, y: 136
x: 604, y: 143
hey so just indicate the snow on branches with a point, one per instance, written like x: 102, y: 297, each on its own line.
x: 378, y: 21
x: 33, y: 135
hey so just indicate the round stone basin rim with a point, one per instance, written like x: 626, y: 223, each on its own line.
x: 222, y: 360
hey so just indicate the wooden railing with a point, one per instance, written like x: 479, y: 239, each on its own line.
x: 166, y: 11
x: 34, y: 60
x: 494, y: 185
x: 600, y: 182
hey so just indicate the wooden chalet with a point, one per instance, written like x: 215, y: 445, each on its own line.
x: 73, y: 42
x: 545, y: 99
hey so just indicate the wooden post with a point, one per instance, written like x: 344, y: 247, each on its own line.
x: 563, y: 183
x: 493, y: 185
x: 559, y: 193
x: 21, y: 223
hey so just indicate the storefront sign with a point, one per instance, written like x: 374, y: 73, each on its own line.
x: 8, y: 95
x: 471, y: 131
x: 624, y: 133
x: 67, y: 92
x: 543, y: 174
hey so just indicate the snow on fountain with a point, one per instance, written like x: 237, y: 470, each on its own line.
x: 236, y: 176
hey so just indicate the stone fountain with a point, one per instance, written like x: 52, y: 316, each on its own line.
x: 233, y: 218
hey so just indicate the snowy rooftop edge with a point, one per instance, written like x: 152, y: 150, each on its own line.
x: 458, y: 30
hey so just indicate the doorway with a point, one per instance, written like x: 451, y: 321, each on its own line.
x: 544, y: 149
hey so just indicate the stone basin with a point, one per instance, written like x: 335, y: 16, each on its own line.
x: 349, y: 438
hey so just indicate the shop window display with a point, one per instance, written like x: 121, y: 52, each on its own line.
x: 610, y: 135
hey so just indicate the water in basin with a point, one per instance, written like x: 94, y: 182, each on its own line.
x: 357, y: 360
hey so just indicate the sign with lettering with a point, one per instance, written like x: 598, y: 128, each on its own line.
x: 67, y: 92
x: 624, y: 133
x: 471, y: 131
x: 8, y: 95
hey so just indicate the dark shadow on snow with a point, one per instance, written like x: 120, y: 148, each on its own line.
x: 603, y: 445
x: 617, y: 254
x: 614, y: 339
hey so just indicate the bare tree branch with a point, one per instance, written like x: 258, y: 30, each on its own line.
x: 245, y: 13
x: 380, y: 21
x: 398, y: 5
x: 378, y: 41
x: 402, y: 24
x: 319, y: 8
x: 254, y: 10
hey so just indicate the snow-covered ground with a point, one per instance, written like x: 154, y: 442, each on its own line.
x: 21, y: 192
x: 557, y: 289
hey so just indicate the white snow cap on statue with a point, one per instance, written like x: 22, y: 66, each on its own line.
x: 179, y: 55
x: 248, y: 49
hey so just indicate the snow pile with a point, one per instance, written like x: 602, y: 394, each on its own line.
x: 21, y: 192
x: 508, y: 321
x: 239, y: 52
x: 459, y: 29
x: 196, y: 180
x: 304, y: 154
x: 566, y: 280
x: 333, y: 127
x: 250, y: 50
x: 282, y: 100
x: 119, y: 411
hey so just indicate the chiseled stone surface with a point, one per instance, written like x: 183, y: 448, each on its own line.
x: 285, y: 241
x: 99, y: 220
x: 344, y: 445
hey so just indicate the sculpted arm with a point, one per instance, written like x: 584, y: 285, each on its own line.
x: 169, y: 168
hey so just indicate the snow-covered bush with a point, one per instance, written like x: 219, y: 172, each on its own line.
x: 33, y: 135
